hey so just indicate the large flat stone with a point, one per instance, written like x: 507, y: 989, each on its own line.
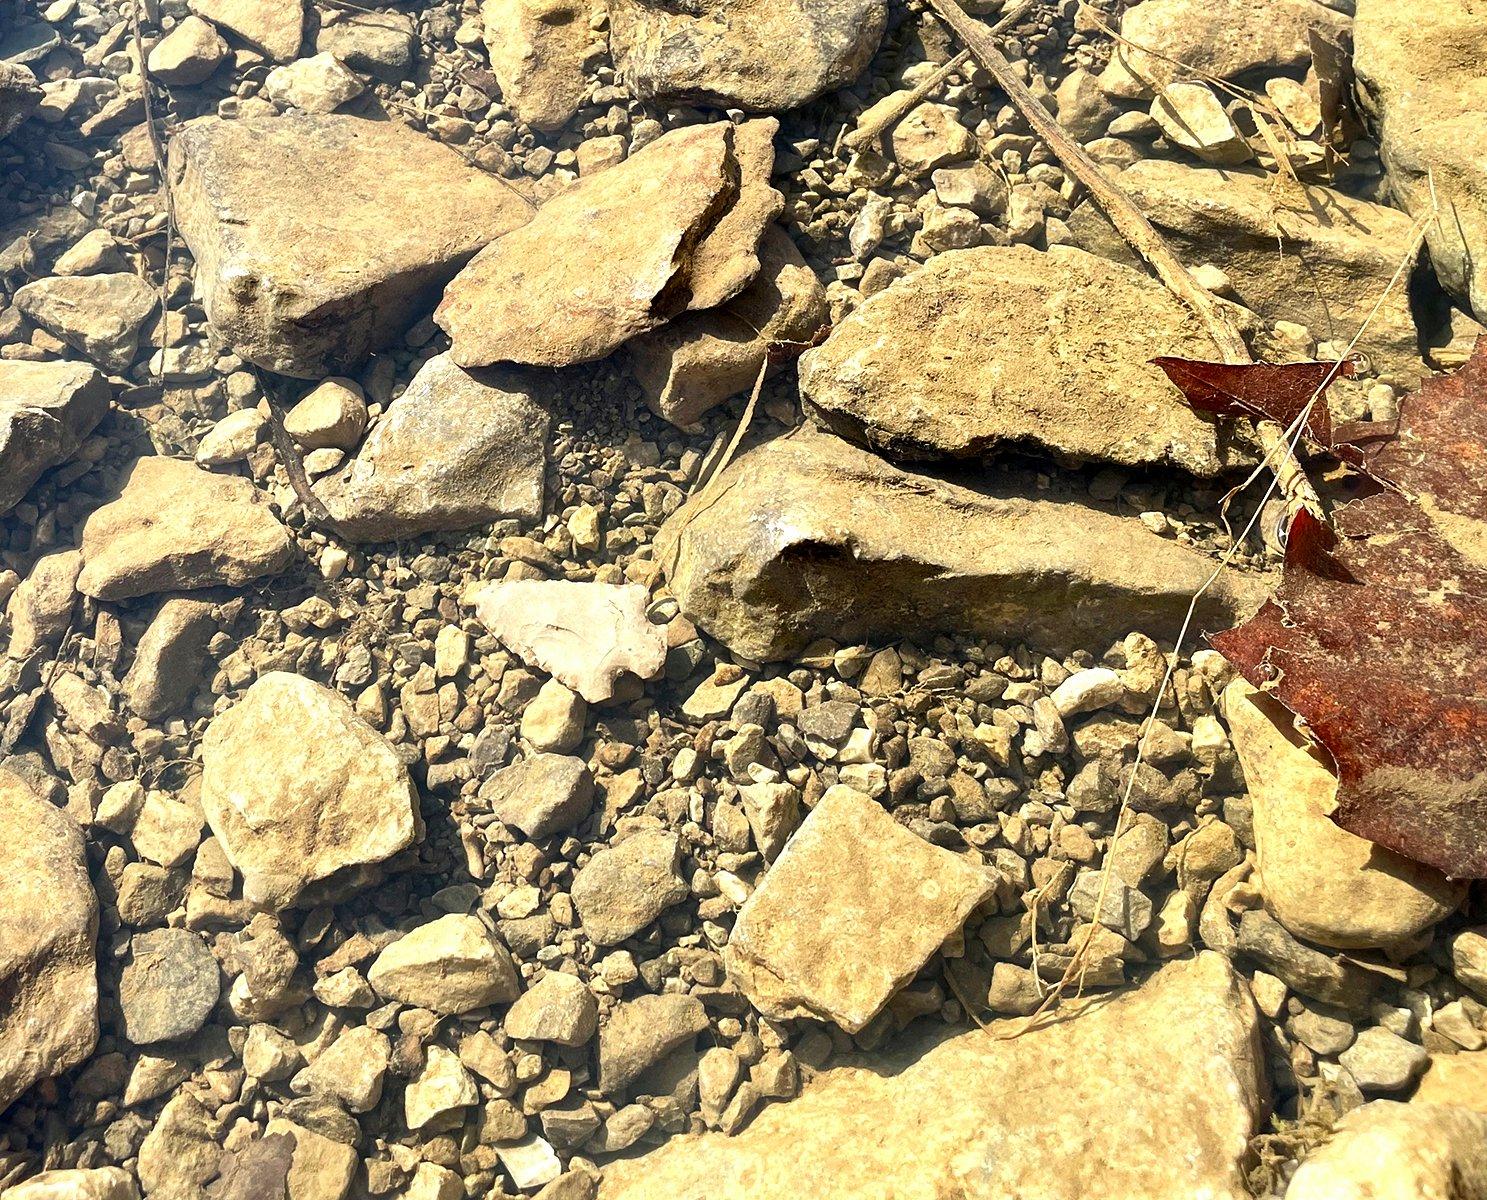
x: 100, y: 316
x: 321, y: 238
x: 46, y: 410
x: 809, y: 536
x: 1149, y: 1096
x: 1007, y: 347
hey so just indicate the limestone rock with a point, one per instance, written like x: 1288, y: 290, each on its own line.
x: 640, y: 1032
x: 1323, y: 883
x: 441, y: 1086
x: 318, y: 84
x: 1005, y: 346
x: 170, y: 657
x: 48, y: 929
x: 40, y: 610
x: 1391, y: 1151
x: 451, y: 965
x: 849, y: 913
x: 625, y: 887
x: 306, y: 270
x: 557, y: 1008
x: 541, y: 795
x: 231, y: 439
x: 1192, y: 117
x: 351, y: 1069
x: 929, y: 135
x: 587, y: 274
x: 457, y: 448
x: 100, y: 1183
x: 334, y: 414
x: 858, y: 550
x: 321, y: 1168
x: 537, y: 50
x: 1459, y: 1079
x: 98, y: 315
x: 386, y: 47
x: 944, y: 1120
x: 175, y: 527
x: 701, y: 359
x: 188, y: 54
x: 19, y: 96
x: 1235, y: 40
x: 585, y: 634
x: 728, y: 258
x: 169, y: 988
x: 298, y: 790
x: 46, y: 410
x: 273, y: 26
x: 761, y: 55
x: 1420, y: 78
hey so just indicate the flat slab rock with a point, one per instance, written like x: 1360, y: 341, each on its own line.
x: 46, y: 410
x: 306, y: 256
x: 760, y: 55
x: 848, y: 914
x: 1068, y: 1111
x: 809, y: 536
x: 456, y: 449
x: 1006, y: 346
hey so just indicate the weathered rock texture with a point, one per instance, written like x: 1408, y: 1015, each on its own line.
x: 537, y: 50
x: 274, y: 26
x: 46, y: 410
x: 98, y: 315
x: 1391, y: 1151
x: 308, y: 269
x: 809, y: 536
x: 1004, y: 346
x: 19, y: 96
x: 941, y: 1116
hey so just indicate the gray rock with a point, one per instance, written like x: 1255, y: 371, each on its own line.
x: 1308, y: 971
x: 541, y: 795
x: 386, y: 47
x: 46, y: 410
x: 169, y: 987
x: 625, y: 887
x: 1469, y: 960
x: 641, y: 1032
x: 99, y: 315
x: 1126, y: 911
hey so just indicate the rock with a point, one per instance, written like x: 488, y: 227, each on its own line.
x: 1469, y: 960
x: 760, y: 55
x: 1391, y: 1151
x: 537, y: 50
x: 585, y: 276
x: 386, y: 47
x: 274, y: 26
x: 773, y: 813
x: 40, y: 609
x: 232, y: 438
x: 442, y: 1086
x: 170, y: 657
x: 169, y: 987
x: 175, y: 527
x: 624, y: 887
x: 585, y: 634
x: 1321, y: 882
x: 641, y: 1032
x: 450, y: 965
x: 46, y: 410
x: 859, y: 550
x: 541, y: 795
x: 188, y: 54
x: 1235, y: 40
x: 1087, y: 690
x: 946, y: 1123
x: 94, y: 253
x: 1305, y: 970
x: 100, y: 1183
x: 920, y: 369
x: 531, y: 1163
x: 554, y: 720
x: 180, y: 1153
x: 1420, y: 79
x: 350, y: 1070
x: 48, y: 928
x: 306, y: 271
x: 729, y: 256
x: 1381, y: 1061
x: 456, y: 449
x: 333, y: 413
x: 975, y: 186
x: 321, y: 1168
x: 929, y: 135
x: 557, y: 1008
x: 318, y: 84
x: 19, y: 96
x: 1194, y: 119
x: 98, y: 315
x: 301, y: 792
x: 701, y: 359
x: 848, y: 914
x: 1455, y: 1079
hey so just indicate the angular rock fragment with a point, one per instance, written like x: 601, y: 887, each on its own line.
x: 274, y: 26
x: 728, y: 258
x: 587, y: 274
x: 48, y: 930
x: 19, y: 96
x: 175, y: 527
x: 585, y: 634
x: 849, y: 913
x: 188, y: 54
x: 537, y: 50
x: 99, y: 1183
x: 169, y: 987
x: 169, y: 659
x: 386, y: 47
x: 640, y: 1032
x: 451, y: 965
x: 301, y: 791
x: 813, y: 537
x: 40, y: 609
x: 1391, y: 1151
x: 46, y: 410
x: 760, y: 55
x: 318, y: 84
x: 99, y: 315
x: 458, y: 448
x: 946, y: 1122
x: 305, y: 269
x: 541, y: 795
x: 557, y: 1008
x: 1004, y: 347
x: 625, y: 887
x: 1193, y: 117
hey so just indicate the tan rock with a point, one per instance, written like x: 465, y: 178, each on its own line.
x: 19, y: 96
x: 923, y: 368
x: 188, y: 54
x: 1391, y: 1151
x: 859, y: 550
x: 1191, y: 116
x: 48, y: 930
x: 300, y: 791
x: 931, y: 134
x: 537, y: 50
x: 1321, y: 882
x: 100, y: 316
x: 46, y: 410
x: 849, y: 913
x: 175, y: 527
x: 101, y: 1183
x: 727, y: 259
x: 589, y: 273
x: 450, y: 965
x: 274, y: 26
x: 306, y: 270
x: 319, y: 1168
x: 333, y: 413
x: 935, y: 1116
x: 318, y: 84
x: 1455, y: 1079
